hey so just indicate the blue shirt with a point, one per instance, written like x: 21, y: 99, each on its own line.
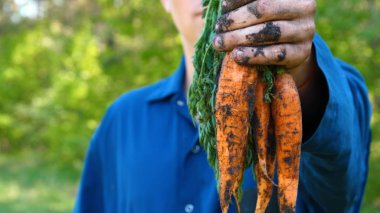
x: 145, y: 156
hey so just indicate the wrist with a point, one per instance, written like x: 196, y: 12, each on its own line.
x: 303, y: 74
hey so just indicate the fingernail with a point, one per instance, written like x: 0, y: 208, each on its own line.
x: 218, y: 42
x: 217, y: 28
x: 238, y: 55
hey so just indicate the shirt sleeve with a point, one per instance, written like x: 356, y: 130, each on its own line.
x: 91, y: 194
x: 334, y: 160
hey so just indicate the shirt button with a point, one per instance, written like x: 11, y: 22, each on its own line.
x: 180, y: 103
x: 189, y: 208
x: 196, y: 149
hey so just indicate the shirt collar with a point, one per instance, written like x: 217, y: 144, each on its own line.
x: 172, y: 85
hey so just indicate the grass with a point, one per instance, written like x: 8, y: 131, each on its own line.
x: 28, y: 182
x: 372, y: 195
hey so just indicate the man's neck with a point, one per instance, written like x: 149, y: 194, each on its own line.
x: 189, y: 52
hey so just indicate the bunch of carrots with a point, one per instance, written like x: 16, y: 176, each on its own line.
x: 236, y: 109
x: 276, y: 128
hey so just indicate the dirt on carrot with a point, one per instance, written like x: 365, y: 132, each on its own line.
x: 233, y: 111
x: 287, y: 116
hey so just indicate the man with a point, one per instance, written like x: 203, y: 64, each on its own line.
x: 145, y: 156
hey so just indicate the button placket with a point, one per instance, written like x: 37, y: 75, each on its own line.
x: 189, y: 148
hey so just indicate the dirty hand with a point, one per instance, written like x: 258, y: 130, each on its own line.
x: 262, y: 32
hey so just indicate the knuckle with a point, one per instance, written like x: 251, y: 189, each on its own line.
x: 262, y: 6
x: 309, y: 30
x: 306, y: 50
x: 223, y: 23
x: 258, y: 52
x: 311, y: 7
x: 279, y: 53
x: 241, y: 56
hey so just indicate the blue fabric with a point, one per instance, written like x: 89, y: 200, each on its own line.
x: 145, y: 156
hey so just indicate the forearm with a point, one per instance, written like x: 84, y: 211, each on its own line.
x: 313, y: 93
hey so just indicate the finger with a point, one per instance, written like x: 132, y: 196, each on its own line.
x: 263, y: 11
x: 288, y: 55
x: 267, y: 33
x: 229, y: 5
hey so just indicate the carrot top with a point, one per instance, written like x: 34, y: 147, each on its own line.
x: 201, y: 97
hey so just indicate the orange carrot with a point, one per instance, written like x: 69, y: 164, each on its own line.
x: 264, y: 188
x: 261, y: 117
x: 233, y: 110
x: 264, y: 166
x: 287, y: 116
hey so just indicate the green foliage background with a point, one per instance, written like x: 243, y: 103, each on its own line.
x: 61, y: 69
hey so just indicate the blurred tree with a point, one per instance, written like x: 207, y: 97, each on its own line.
x: 61, y: 68
x: 63, y: 62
